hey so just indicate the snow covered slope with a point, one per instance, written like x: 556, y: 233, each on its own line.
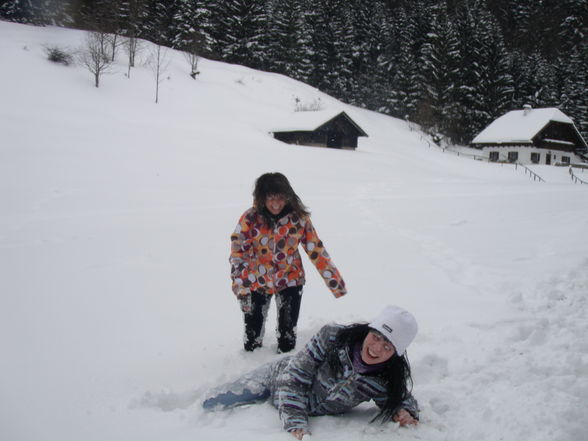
x: 116, y: 311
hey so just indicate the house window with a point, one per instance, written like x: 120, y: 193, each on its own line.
x: 513, y: 156
x: 493, y: 157
x: 565, y: 159
x: 535, y: 158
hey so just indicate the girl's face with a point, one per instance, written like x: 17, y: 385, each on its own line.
x: 275, y: 203
x: 376, y: 348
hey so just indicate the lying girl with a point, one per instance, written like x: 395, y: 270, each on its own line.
x: 339, y: 368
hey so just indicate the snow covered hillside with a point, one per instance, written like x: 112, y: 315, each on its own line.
x: 115, y: 305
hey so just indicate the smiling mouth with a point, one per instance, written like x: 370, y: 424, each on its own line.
x: 371, y: 354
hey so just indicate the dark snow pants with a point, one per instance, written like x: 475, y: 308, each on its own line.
x: 288, y: 306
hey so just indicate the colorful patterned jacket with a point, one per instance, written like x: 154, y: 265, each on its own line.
x: 306, y: 385
x: 266, y: 259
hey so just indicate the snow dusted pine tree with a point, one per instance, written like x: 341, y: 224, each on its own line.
x: 535, y: 81
x: 189, y: 29
x: 330, y: 46
x: 15, y: 11
x: 128, y: 17
x: 57, y: 12
x: 159, y: 25
x: 130, y: 12
x: 573, y: 75
x: 440, y: 75
x: 516, y: 21
x: 368, y: 38
x: 244, y: 25
x: 402, y: 63
x: 572, y: 64
x: 486, y: 85
x: 212, y: 27
x: 496, y: 87
x: 288, y: 40
x: 374, y: 90
x: 25, y: 11
x: 98, y: 15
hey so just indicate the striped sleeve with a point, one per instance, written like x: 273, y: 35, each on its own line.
x: 410, y: 404
x: 295, y: 381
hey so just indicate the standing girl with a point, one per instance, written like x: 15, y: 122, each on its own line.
x: 265, y: 261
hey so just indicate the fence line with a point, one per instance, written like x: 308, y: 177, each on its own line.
x: 534, y: 175
x: 531, y: 173
x: 576, y: 179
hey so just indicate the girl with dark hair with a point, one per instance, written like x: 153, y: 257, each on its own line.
x: 339, y: 368
x: 265, y: 261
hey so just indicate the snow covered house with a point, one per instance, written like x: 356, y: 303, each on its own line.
x: 320, y: 128
x: 533, y: 136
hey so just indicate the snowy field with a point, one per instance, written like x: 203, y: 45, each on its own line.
x: 116, y: 311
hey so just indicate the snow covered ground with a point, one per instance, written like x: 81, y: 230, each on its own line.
x: 116, y: 311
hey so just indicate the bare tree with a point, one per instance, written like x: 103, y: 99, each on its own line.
x: 192, y: 58
x: 159, y: 63
x: 132, y: 11
x: 133, y: 47
x: 95, y: 55
x: 114, y: 43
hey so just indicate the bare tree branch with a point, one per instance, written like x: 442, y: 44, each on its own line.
x: 192, y: 58
x: 159, y: 63
x: 133, y: 46
x: 95, y: 55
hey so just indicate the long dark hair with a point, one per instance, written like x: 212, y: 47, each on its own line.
x: 395, y: 373
x: 276, y: 183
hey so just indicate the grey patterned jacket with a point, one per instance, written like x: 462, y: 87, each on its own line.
x: 305, y: 385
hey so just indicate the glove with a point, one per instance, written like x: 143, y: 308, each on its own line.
x: 245, y: 301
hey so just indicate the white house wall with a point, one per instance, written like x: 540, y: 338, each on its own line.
x: 524, y: 155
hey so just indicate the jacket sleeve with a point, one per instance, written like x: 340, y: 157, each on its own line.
x: 321, y: 260
x: 410, y: 404
x: 240, y: 256
x: 294, y: 383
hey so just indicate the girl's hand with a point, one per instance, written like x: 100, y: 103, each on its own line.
x: 299, y: 433
x: 245, y: 302
x: 404, y: 418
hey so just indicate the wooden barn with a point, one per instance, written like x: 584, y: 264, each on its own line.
x: 320, y: 128
x: 533, y: 136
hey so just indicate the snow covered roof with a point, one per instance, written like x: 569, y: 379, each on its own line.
x: 520, y: 126
x: 311, y: 121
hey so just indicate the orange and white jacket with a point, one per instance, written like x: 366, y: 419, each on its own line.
x: 266, y: 259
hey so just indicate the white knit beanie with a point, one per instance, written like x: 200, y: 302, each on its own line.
x: 397, y: 325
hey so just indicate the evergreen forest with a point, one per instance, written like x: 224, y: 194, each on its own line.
x: 450, y: 65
